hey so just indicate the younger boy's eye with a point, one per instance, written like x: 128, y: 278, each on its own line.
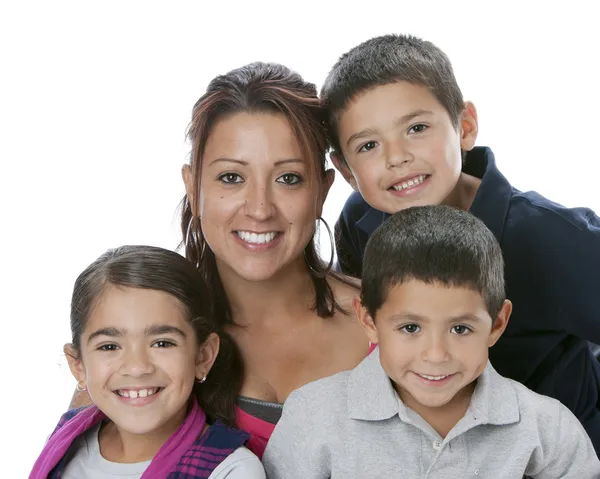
x: 368, y: 146
x: 108, y: 347
x: 410, y: 328
x: 230, y: 178
x: 460, y: 329
x: 418, y: 128
x: 289, y: 179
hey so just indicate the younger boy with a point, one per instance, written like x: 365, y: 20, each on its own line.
x: 403, y: 136
x: 426, y: 402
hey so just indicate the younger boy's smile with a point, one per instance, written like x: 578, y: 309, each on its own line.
x: 433, y: 343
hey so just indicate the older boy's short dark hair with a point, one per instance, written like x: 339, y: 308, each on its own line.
x: 390, y: 59
x: 433, y: 244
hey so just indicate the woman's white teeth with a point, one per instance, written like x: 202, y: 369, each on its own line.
x: 257, y: 238
x: 433, y: 378
x: 136, y: 393
x: 410, y: 183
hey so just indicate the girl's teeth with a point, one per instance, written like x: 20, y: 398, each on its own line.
x: 135, y: 393
x: 257, y: 238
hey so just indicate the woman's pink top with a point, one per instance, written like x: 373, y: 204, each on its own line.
x: 260, y: 431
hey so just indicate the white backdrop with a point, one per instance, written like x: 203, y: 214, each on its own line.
x: 95, y: 98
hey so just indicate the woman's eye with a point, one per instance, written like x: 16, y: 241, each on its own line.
x: 289, y: 179
x: 410, y: 328
x: 460, y: 329
x: 419, y: 128
x: 163, y: 344
x: 368, y: 146
x: 230, y: 178
x: 108, y: 347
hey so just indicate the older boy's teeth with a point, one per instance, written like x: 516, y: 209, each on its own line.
x: 433, y: 378
x: 410, y: 183
x: 257, y: 238
x: 135, y: 393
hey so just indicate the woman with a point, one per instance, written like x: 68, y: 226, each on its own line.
x: 256, y: 184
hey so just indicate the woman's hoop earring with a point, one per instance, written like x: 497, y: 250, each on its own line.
x: 330, y: 264
x: 189, y: 236
x: 200, y: 381
x: 80, y: 388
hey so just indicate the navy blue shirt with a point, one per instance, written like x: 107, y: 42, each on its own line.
x: 552, y: 274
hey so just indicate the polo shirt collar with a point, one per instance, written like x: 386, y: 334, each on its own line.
x: 371, y: 396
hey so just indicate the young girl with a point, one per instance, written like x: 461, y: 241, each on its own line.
x: 161, y: 374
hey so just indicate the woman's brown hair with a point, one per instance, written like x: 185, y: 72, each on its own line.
x: 258, y: 88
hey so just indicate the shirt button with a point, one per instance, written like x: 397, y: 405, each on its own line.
x: 476, y: 472
x: 437, y: 445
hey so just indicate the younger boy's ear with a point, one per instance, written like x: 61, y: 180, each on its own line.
x: 500, y: 323
x: 365, y: 320
x: 340, y: 164
x: 469, y: 127
x: 207, y: 354
x: 75, y: 364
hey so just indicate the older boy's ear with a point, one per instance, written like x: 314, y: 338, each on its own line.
x: 500, y: 323
x: 365, y: 320
x: 207, y: 354
x: 75, y: 364
x: 340, y: 164
x: 468, y: 127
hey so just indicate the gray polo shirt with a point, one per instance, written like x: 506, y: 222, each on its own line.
x: 354, y: 425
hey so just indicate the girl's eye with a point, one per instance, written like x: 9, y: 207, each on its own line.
x: 289, y: 179
x: 163, y: 344
x: 367, y: 146
x: 108, y: 347
x: 230, y: 178
x: 460, y: 329
x: 410, y: 329
x: 419, y: 128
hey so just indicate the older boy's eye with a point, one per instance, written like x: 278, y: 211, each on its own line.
x: 419, y: 128
x: 230, y: 178
x: 460, y: 329
x: 289, y: 179
x: 368, y: 146
x: 410, y: 328
x: 163, y: 344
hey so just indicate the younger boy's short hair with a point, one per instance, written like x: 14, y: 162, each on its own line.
x: 390, y: 59
x: 433, y: 244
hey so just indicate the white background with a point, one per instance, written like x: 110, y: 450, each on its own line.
x: 95, y: 98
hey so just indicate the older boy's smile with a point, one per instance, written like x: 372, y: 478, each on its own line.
x: 399, y: 139
x: 409, y: 185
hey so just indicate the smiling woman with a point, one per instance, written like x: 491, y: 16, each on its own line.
x: 255, y: 187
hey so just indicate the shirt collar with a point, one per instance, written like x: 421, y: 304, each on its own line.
x: 370, y: 393
x: 494, y: 399
x: 492, y: 200
x: 371, y: 220
x: 371, y: 396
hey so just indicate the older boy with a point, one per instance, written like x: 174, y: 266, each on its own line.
x: 427, y: 403
x: 403, y: 136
